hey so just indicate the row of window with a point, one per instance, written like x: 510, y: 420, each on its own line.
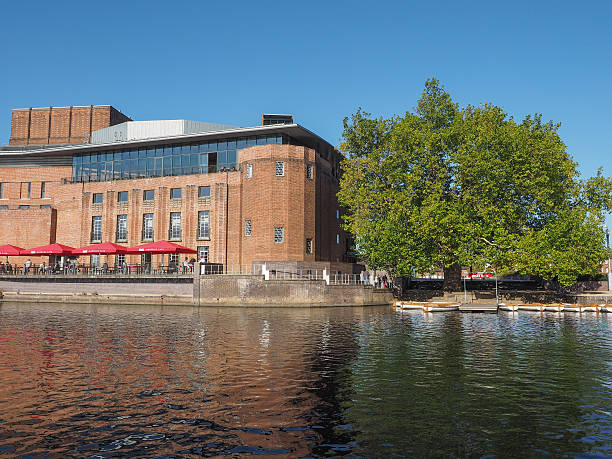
x: 197, y: 158
x: 25, y: 190
x: 147, y: 233
x: 279, y: 235
x: 149, y: 195
x: 279, y: 170
x: 26, y: 206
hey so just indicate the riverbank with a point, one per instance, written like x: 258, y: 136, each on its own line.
x: 208, y: 290
x: 106, y: 291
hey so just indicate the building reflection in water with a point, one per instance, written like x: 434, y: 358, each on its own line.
x: 207, y: 380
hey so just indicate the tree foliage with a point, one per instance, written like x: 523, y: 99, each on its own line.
x: 444, y: 186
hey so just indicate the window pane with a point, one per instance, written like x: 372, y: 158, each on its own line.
x: 221, y: 158
x: 204, y: 224
x: 204, y: 192
x: 231, y: 158
x: 175, y: 193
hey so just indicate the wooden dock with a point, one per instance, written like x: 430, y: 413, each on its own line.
x: 478, y: 307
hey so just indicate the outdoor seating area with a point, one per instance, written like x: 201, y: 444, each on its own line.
x: 59, y: 259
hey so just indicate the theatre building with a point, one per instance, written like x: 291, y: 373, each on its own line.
x: 238, y: 195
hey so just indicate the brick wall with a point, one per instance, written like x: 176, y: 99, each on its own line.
x: 305, y: 208
x: 60, y: 125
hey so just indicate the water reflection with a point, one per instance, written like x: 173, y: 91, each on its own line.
x: 104, y: 381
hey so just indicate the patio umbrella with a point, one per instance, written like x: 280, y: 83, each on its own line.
x: 104, y: 248
x: 10, y: 250
x: 51, y: 249
x: 161, y: 247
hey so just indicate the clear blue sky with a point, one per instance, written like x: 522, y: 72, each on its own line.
x: 320, y: 61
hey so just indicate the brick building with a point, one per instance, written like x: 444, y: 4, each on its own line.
x: 81, y: 175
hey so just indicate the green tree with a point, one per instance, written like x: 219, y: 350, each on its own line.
x: 446, y: 186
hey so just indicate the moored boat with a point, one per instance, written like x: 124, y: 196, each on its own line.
x: 428, y: 306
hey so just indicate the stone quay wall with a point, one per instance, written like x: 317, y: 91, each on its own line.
x: 252, y: 290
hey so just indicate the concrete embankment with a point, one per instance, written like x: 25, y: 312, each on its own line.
x: 250, y: 290
x: 97, y: 292
x: 207, y: 290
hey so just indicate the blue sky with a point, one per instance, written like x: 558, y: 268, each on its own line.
x: 231, y: 61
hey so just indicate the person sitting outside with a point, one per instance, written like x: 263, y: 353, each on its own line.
x: 27, y: 266
x: 105, y: 268
x: 42, y: 269
x: 186, y: 266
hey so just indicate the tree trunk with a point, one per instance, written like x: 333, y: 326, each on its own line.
x: 452, y: 278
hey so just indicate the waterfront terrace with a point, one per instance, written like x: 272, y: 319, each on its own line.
x: 236, y: 195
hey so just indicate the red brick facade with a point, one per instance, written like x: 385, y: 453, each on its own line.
x: 61, y: 125
x: 306, y: 208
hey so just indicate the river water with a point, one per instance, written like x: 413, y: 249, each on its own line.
x: 111, y: 381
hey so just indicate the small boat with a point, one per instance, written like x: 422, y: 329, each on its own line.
x: 508, y: 307
x: 428, y: 306
x: 440, y: 306
x: 539, y: 307
x: 554, y: 307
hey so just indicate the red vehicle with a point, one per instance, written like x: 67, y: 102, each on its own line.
x: 480, y: 275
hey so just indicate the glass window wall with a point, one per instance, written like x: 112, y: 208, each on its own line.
x: 200, y: 158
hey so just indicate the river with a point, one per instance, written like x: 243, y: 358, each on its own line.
x: 113, y: 381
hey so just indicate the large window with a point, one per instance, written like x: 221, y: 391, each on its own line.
x: 121, y: 227
x: 174, y: 232
x: 204, y: 192
x: 162, y: 160
x: 122, y: 196
x: 94, y: 261
x: 149, y: 195
x: 147, y: 227
x: 97, y: 198
x: 309, y: 174
x: 204, y: 224
x: 249, y: 170
x: 176, y: 193
x: 119, y: 260
x: 96, y: 228
x: 203, y: 254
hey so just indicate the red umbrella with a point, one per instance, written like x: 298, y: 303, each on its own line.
x: 10, y: 250
x: 161, y: 247
x: 51, y: 249
x: 104, y: 248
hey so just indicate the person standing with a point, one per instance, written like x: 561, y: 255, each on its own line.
x: 28, y: 265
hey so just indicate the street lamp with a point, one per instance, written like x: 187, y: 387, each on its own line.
x: 608, y: 249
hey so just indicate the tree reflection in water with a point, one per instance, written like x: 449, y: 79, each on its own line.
x: 147, y: 381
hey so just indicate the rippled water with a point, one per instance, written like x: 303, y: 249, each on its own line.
x: 107, y: 381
